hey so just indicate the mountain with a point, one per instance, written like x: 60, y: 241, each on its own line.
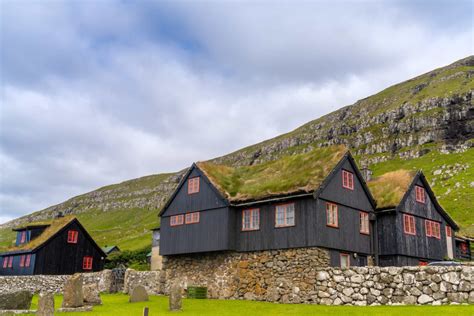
x: 424, y: 123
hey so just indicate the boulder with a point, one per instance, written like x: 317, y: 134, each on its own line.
x: 424, y: 299
x: 175, y: 299
x: 138, y: 294
x: 16, y: 300
x: 45, y: 304
x: 73, y: 296
x: 91, y: 294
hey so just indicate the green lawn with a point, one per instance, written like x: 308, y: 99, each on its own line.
x: 117, y: 304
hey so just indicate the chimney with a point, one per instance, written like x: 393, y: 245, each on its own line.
x: 366, y: 173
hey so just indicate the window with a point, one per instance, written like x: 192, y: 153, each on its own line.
x: 251, y: 219
x: 331, y: 215
x: 462, y: 245
x: 5, y: 262
x: 347, y: 180
x: 192, y: 218
x: 72, y: 236
x: 448, y: 231
x: 420, y: 194
x: 345, y: 260
x: 432, y: 229
x: 285, y: 215
x: 87, y: 263
x: 193, y: 185
x: 23, y: 237
x: 28, y: 260
x: 364, y: 223
x: 22, y: 261
x: 10, y: 262
x: 176, y: 220
x: 409, y: 224
x: 422, y: 263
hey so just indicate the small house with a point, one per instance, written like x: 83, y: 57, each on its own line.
x: 108, y: 250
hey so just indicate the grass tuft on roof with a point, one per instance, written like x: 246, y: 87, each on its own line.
x: 389, y: 189
x: 54, y: 226
x: 291, y: 174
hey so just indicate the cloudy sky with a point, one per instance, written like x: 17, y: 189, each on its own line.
x: 97, y: 92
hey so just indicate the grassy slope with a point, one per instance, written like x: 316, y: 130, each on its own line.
x: 117, y: 304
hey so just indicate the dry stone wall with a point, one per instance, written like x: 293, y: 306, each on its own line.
x: 150, y: 280
x: 303, y: 276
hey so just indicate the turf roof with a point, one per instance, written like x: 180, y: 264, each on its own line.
x: 389, y: 189
x: 291, y: 174
x: 54, y: 227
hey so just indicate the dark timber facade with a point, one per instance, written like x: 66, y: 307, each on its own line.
x: 335, y: 216
x: 62, y: 247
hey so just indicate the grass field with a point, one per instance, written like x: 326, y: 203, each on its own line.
x: 117, y: 304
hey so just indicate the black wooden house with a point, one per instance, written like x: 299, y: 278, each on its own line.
x: 316, y: 199
x: 413, y: 228
x: 62, y: 246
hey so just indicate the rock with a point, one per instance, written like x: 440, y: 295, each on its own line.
x: 45, y: 304
x: 175, y: 299
x: 408, y: 278
x: 451, y: 277
x: 471, y: 297
x: 337, y: 301
x: 338, y: 278
x: 464, y: 286
x: 357, y: 278
x: 73, y: 296
x: 409, y: 300
x: 348, y: 291
x: 91, y: 294
x: 424, y: 299
x: 371, y: 299
x: 458, y: 297
x: 322, y: 294
x: 322, y: 276
x: 16, y: 300
x: 326, y: 301
x: 249, y: 296
x: 139, y: 294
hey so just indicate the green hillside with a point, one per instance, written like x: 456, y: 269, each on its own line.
x: 424, y: 123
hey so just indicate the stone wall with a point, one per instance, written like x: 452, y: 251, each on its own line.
x: 302, y: 276
x: 53, y: 283
x: 149, y: 279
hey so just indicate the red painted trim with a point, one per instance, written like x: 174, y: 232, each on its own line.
x: 433, y: 229
x: 284, y: 215
x: 28, y: 260
x: 10, y: 261
x: 365, y: 216
x: 23, y: 237
x: 409, y: 224
x: 348, y: 256
x: 251, y: 211
x: 420, y: 195
x: 193, y: 185
x: 347, y: 180
x: 448, y: 231
x: 5, y: 262
x: 191, y: 220
x: 87, y: 263
x: 72, y: 236
x: 22, y: 261
x: 336, y: 225
x: 179, y: 220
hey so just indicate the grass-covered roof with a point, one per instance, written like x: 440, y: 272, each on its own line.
x: 389, y: 189
x: 54, y: 227
x: 288, y: 175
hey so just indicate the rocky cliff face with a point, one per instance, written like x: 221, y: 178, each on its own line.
x: 430, y: 113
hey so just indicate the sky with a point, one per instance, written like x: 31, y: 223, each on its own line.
x: 98, y: 92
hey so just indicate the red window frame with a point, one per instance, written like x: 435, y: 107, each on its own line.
x: 432, y: 229
x: 346, y: 255
x: 5, y: 262
x: 87, y: 263
x: 177, y: 220
x: 23, y: 237
x: 409, y: 225
x: 28, y: 260
x: 252, y: 214
x: 332, y: 208
x: 364, y: 226
x: 192, y: 218
x: 72, y: 236
x: 420, y: 194
x: 22, y: 261
x: 193, y: 185
x: 448, y: 231
x: 347, y: 180
x: 284, y: 207
x: 10, y: 261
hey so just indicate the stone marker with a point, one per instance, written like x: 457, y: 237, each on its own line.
x: 175, y: 297
x: 45, y: 304
x: 73, y: 296
x: 139, y: 294
x: 16, y: 300
x: 91, y: 294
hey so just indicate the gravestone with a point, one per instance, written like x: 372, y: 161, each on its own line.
x: 16, y: 300
x: 73, y: 296
x: 139, y: 294
x: 175, y: 302
x: 91, y: 294
x: 45, y: 304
